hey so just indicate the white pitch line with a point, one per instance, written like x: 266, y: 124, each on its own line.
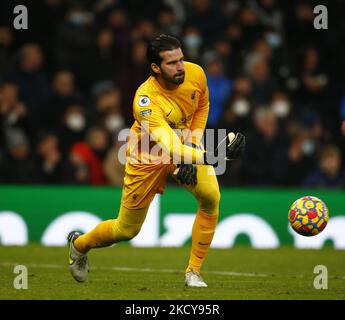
x: 128, y: 269
x: 150, y: 270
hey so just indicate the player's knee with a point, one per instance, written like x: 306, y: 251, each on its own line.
x: 209, y: 199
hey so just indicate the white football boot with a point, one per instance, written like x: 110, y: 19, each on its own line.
x: 78, y: 262
x: 193, y: 279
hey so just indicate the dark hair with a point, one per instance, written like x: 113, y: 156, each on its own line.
x: 161, y: 43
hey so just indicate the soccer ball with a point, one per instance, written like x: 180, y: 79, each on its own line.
x: 308, y: 216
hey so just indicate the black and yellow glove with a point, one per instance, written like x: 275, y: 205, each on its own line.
x: 186, y: 174
x: 234, y: 145
x: 230, y: 148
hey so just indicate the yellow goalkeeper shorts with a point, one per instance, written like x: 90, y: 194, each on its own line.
x: 141, y: 183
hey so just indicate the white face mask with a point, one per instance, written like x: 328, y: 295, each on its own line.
x: 241, y: 107
x: 12, y: 118
x: 281, y: 108
x: 114, y: 122
x: 192, y: 41
x: 75, y: 121
x: 308, y: 147
x: 273, y: 39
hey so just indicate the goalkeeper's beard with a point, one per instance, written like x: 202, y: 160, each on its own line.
x: 176, y: 79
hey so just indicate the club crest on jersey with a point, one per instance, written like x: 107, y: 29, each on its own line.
x: 144, y: 101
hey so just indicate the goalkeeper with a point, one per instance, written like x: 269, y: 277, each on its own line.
x: 175, y: 96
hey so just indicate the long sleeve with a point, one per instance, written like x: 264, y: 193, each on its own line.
x: 152, y: 119
x: 201, y: 114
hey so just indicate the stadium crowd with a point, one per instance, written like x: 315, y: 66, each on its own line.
x: 67, y: 84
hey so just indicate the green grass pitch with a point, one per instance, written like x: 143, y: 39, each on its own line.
x: 125, y: 272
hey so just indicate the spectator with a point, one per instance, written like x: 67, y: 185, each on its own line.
x: 31, y: 79
x: 268, y: 147
x: 49, y: 159
x: 269, y: 14
x: 107, y: 111
x: 234, y: 34
x: 229, y: 56
x: 144, y: 29
x: 63, y: 94
x: 119, y: 24
x: 243, y: 86
x: 192, y: 41
x: 73, y: 127
x: 250, y: 25
x: 132, y: 74
x: 314, y: 82
x: 105, y: 59
x: 329, y: 174
x: 20, y: 166
x: 263, y: 49
x: 219, y: 86
x: 238, y: 109
x: 301, y: 158
x: 206, y: 17
x: 13, y: 112
x: 263, y: 84
x: 74, y: 43
x: 92, y: 153
x: 299, y: 25
x: 75, y: 170
x: 167, y: 22
x: 236, y: 116
x: 280, y: 104
x: 319, y: 136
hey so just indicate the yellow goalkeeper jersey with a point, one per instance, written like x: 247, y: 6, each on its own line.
x: 159, y: 112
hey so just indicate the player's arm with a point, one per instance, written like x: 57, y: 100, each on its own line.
x: 152, y: 118
x: 187, y: 173
x: 154, y: 123
x: 201, y: 114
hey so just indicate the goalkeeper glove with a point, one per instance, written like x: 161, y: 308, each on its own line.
x: 186, y: 174
x: 230, y: 148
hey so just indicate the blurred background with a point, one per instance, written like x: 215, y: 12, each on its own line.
x: 67, y: 84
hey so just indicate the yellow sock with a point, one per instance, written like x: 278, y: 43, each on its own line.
x: 125, y: 227
x: 100, y: 236
x: 203, y: 230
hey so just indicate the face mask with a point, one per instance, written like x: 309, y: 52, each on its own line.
x: 12, y: 118
x: 192, y: 41
x: 273, y: 39
x: 75, y: 121
x: 308, y: 147
x: 114, y: 122
x: 241, y: 107
x: 77, y: 19
x: 281, y: 108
